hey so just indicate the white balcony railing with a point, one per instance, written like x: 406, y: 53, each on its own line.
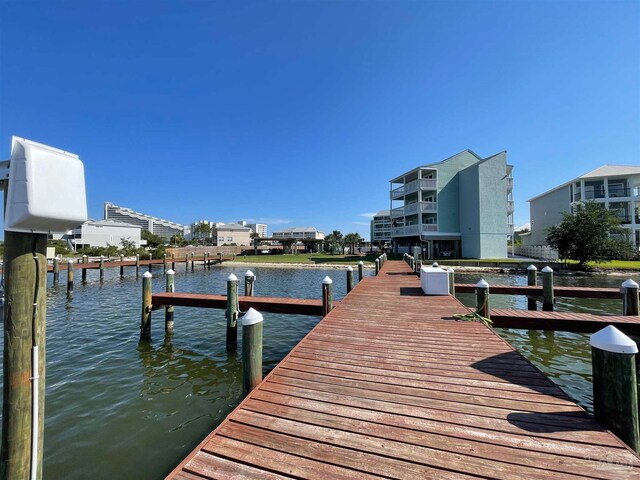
x: 413, y: 230
x: 412, y: 208
x: 510, y: 206
x: 429, y: 227
x: 412, y: 187
x: 428, y: 184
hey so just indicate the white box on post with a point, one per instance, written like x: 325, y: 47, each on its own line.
x: 434, y: 281
x: 46, y: 189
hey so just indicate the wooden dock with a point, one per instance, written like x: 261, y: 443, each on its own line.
x: 388, y: 385
x: 132, y: 263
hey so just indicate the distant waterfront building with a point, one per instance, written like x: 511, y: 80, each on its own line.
x: 158, y: 226
x: 298, y: 233
x: 102, y: 233
x: 228, y: 233
x: 381, y: 227
x: 194, y: 227
x: 459, y: 207
x: 616, y: 187
x: 259, y: 228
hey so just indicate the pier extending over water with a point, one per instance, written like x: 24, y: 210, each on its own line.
x: 390, y: 385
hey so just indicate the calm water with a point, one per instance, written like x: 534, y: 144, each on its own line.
x: 116, y: 408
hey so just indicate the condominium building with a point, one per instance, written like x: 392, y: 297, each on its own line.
x: 158, y: 226
x: 231, y: 233
x: 616, y: 187
x: 195, y: 228
x: 381, y: 227
x: 299, y: 233
x: 259, y: 228
x: 459, y: 207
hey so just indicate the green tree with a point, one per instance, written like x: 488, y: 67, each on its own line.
x: 177, y: 240
x: 61, y: 246
x: 128, y: 246
x: 153, y: 241
x: 334, y: 241
x: 590, y: 234
x: 352, y: 240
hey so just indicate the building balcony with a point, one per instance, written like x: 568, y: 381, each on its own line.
x: 412, y: 187
x: 510, y: 206
x: 413, y: 230
x: 413, y: 208
x: 509, y: 183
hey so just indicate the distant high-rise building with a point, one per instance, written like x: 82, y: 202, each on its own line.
x: 381, y: 227
x: 259, y: 228
x: 158, y: 226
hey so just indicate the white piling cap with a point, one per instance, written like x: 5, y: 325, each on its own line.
x: 170, y: 272
x: 249, y: 273
x: 101, y: 257
x: 435, y: 265
x: 547, y: 269
x: 532, y: 267
x: 232, y: 278
x: 360, y: 262
x: 482, y: 284
x: 610, y: 339
x: 327, y: 281
x: 349, y: 268
x: 147, y: 275
x: 71, y: 261
x: 629, y: 284
x: 251, y: 317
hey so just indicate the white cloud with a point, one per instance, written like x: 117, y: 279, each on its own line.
x: 368, y: 215
x: 274, y: 221
x: 366, y: 224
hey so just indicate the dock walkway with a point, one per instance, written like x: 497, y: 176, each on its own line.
x: 388, y: 385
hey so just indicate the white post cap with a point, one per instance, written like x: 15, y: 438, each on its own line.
x: 629, y: 284
x: 532, y: 267
x: 360, y: 262
x: 610, y: 339
x: 71, y: 261
x: 232, y: 278
x: 482, y: 284
x: 249, y: 273
x: 349, y: 268
x: 251, y: 317
x: 101, y: 257
x: 147, y: 275
x: 327, y: 281
x: 435, y: 265
x: 170, y: 272
x: 547, y: 269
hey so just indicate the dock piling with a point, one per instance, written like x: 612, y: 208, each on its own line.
x: 452, y: 281
x: 251, y: 350
x: 85, y: 260
x: 377, y: 266
x: 327, y: 296
x: 145, y: 322
x: 249, y: 278
x: 360, y: 270
x: 101, y: 268
x: 168, y: 313
x: 137, y: 265
x: 615, y: 390
x: 192, y: 261
x: 69, y: 279
x: 629, y: 292
x: 482, y: 298
x: 349, y: 279
x: 173, y: 262
x: 150, y: 264
x: 532, y: 281
x: 56, y: 270
x: 547, y: 289
x: 232, y: 312
x: 164, y: 262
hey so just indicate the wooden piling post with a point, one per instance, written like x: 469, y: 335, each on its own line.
x: 186, y: 262
x: 249, y: 278
x: 121, y: 266
x: 349, y: 279
x: 101, y: 268
x: 615, y: 390
x: 85, y: 260
x: 482, y: 298
x: 377, y: 266
x: 532, y: 281
x: 629, y: 291
x: 173, y: 262
x: 137, y: 265
x: 56, y: 270
x: 25, y: 275
x: 168, y: 312
x: 220, y: 255
x: 69, y: 278
x: 192, y: 261
x: 360, y: 270
x: 547, y: 289
x: 232, y: 312
x: 251, y: 350
x: 164, y: 263
x: 206, y: 260
x: 145, y: 322
x: 327, y: 296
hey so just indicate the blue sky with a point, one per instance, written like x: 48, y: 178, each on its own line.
x: 299, y: 113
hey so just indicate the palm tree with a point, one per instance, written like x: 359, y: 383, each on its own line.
x: 352, y: 239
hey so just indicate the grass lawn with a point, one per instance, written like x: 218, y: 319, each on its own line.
x: 316, y: 258
x: 617, y: 265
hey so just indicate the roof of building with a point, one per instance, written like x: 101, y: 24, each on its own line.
x: 111, y: 223
x: 132, y: 212
x: 600, y: 172
x: 236, y: 227
x: 383, y: 213
x: 298, y: 229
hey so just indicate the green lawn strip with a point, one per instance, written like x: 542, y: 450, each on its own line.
x: 316, y: 258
